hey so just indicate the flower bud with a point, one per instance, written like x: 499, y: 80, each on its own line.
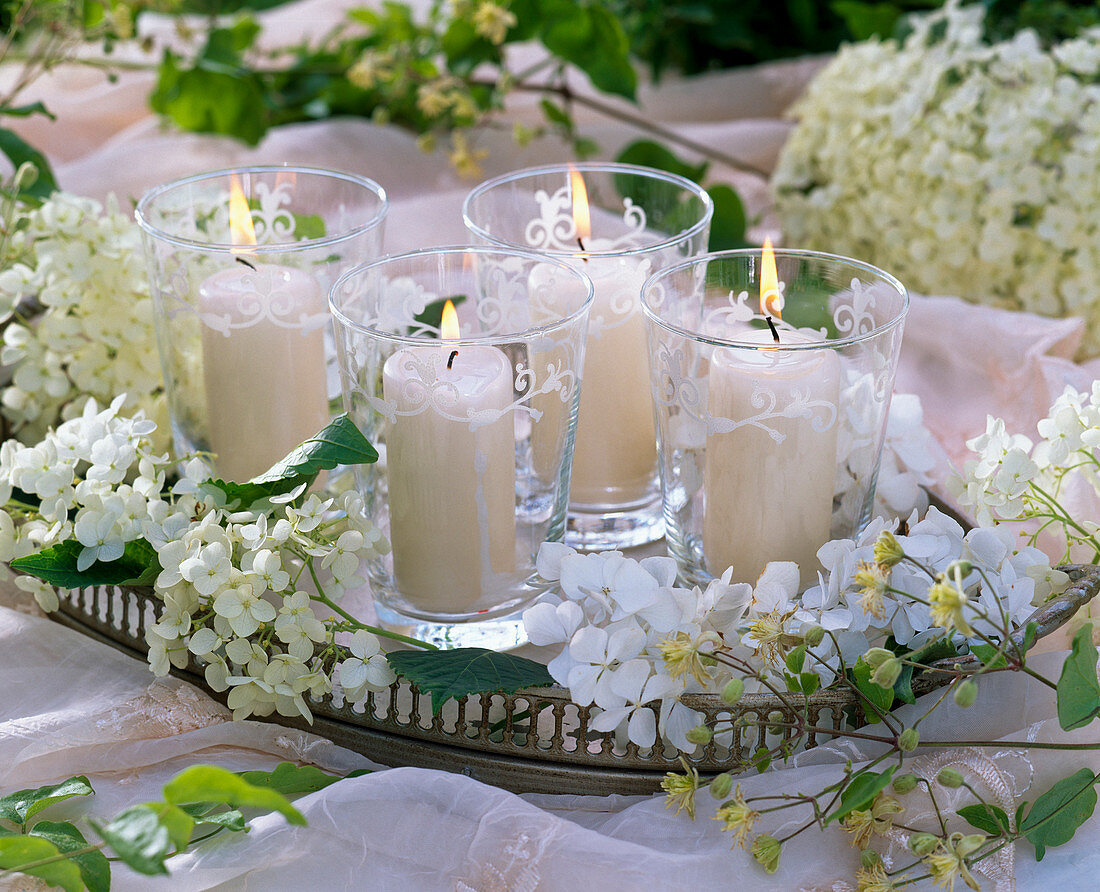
x: 876, y: 656
x: 700, y: 734
x: 966, y: 692
x: 720, y: 787
x: 959, y: 568
x: 922, y: 844
x: 905, y: 783
x: 869, y: 858
x: 908, y: 740
x: 970, y: 844
x: 949, y: 777
x: 733, y: 690
x: 887, y: 673
x: 813, y: 635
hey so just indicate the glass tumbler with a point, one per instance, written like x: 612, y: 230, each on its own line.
x: 772, y: 382
x: 463, y: 366
x: 240, y: 264
x: 618, y: 223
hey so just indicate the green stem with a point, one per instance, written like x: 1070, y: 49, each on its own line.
x: 53, y: 859
x: 381, y: 633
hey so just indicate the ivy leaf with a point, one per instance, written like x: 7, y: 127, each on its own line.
x: 1057, y: 814
x: 208, y: 783
x: 990, y: 819
x: 340, y: 443
x: 879, y: 696
x: 290, y: 779
x: 19, y: 151
x: 139, y: 838
x: 21, y: 806
x: 861, y: 792
x: 1078, y: 688
x: 57, y: 565
x: 95, y: 870
x: 18, y: 850
x: 467, y: 670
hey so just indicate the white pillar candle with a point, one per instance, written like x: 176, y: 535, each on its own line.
x: 263, y: 364
x: 615, y: 454
x: 451, y: 489
x: 767, y: 500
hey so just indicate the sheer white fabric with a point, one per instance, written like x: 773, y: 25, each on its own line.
x: 70, y: 705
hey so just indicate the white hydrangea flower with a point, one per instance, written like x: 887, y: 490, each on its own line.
x: 963, y: 167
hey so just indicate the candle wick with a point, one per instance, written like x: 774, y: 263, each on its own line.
x: 454, y: 353
x: 246, y: 263
x: 580, y: 242
x: 771, y: 325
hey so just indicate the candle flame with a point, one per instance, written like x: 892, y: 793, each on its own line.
x: 581, y: 218
x: 771, y: 299
x: 240, y: 217
x: 448, y: 323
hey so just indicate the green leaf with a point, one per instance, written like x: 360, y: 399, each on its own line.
x: 231, y: 820
x: 729, y: 223
x: 934, y: 650
x: 176, y: 821
x: 879, y: 696
x: 19, y: 850
x: 865, y: 20
x: 18, y: 152
x: 811, y: 681
x: 762, y: 759
x: 1078, y: 688
x: 139, y: 838
x: 211, y: 98
x: 340, y: 443
x: 290, y: 779
x: 991, y: 820
x: 556, y: 115
x: 796, y: 659
x: 25, y: 111
x: 57, y: 565
x: 208, y: 783
x: 432, y: 314
x: 647, y: 153
x: 309, y: 226
x: 1058, y: 813
x: 861, y: 792
x: 589, y: 35
x: 989, y: 655
x: 468, y: 670
x: 95, y: 870
x: 21, y: 806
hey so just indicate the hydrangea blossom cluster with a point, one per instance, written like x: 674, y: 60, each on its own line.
x: 241, y: 588
x: 963, y: 167
x: 75, y: 288
x: 1013, y: 479
x: 628, y: 635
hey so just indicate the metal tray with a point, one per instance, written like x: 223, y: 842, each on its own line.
x: 535, y: 740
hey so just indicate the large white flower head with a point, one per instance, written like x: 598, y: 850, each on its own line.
x: 962, y: 166
x: 95, y: 337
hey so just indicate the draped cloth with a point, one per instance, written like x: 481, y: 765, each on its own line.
x: 73, y: 706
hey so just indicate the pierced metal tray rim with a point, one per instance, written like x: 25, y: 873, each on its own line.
x: 528, y: 767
